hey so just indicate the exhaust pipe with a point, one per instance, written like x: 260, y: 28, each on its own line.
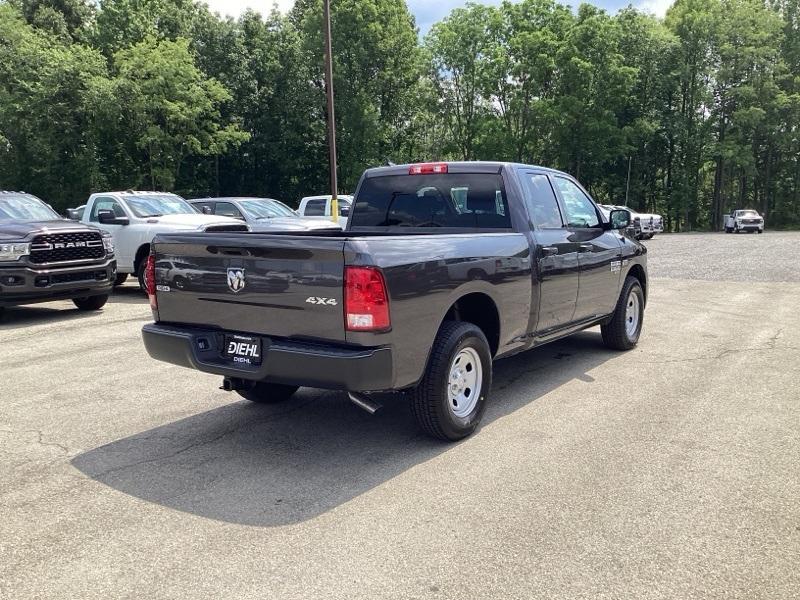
x: 365, y: 403
x: 234, y: 384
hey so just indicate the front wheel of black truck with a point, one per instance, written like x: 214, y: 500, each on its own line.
x: 449, y: 402
x: 90, y: 303
x: 623, y: 329
x: 268, y: 393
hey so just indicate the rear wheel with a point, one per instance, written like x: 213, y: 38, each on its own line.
x: 449, y: 402
x: 90, y: 303
x: 268, y: 393
x: 623, y: 330
x: 760, y: 231
x: 120, y: 279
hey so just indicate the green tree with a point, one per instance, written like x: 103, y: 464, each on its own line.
x: 172, y: 108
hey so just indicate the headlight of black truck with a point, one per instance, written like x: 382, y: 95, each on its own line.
x: 14, y: 250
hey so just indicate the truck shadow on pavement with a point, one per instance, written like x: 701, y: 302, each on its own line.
x: 270, y: 466
x: 15, y: 317
x: 39, y: 314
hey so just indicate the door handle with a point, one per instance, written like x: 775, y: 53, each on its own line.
x: 586, y: 247
x: 549, y: 251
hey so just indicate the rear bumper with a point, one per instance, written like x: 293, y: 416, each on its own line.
x: 284, y: 361
x: 25, y: 284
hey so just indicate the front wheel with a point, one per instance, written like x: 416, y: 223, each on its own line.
x: 623, y: 329
x: 449, y: 402
x: 120, y: 279
x: 268, y: 393
x: 91, y: 303
x: 141, y: 271
x: 760, y: 231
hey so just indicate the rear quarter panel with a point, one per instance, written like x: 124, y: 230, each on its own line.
x: 426, y: 275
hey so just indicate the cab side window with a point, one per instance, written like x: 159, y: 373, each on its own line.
x: 105, y: 203
x: 226, y: 209
x: 580, y: 211
x: 315, y: 208
x: 541, y: 200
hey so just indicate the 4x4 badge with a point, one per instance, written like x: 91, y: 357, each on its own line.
x: 236, y: 281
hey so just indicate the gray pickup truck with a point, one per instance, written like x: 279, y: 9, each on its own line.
x: 442, y: 268
x: 44, y: 257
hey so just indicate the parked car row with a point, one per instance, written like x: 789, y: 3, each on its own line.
x: 45, y: 257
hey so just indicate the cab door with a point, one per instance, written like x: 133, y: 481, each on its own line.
x: 599, y: 251
x: 121, y: 233
x: 556, y: 270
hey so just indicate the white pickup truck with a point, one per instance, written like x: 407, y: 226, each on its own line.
x: 319, y: 207
x: 134, y: 218
x: 744, y: 220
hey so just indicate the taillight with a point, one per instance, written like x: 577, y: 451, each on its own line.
x: 428, y: 169
x: 150, y: 280
x: 366, y: 301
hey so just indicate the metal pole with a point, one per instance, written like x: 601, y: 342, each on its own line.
x: 326, y: 6
x: 628, y: 181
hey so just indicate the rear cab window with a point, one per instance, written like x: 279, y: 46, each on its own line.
x: 445, y: 200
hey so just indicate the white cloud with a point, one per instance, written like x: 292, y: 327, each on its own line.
x: 657, y: 7
x: 234, y: 8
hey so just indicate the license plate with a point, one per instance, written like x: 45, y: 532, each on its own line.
x: 242, y: 349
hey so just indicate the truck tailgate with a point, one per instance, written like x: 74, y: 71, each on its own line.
x: 275, y: 285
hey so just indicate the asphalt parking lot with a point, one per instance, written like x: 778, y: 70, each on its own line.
x: 672, y: 471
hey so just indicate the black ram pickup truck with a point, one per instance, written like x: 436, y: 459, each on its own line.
x: 442, y: 268
x: 44, y: 257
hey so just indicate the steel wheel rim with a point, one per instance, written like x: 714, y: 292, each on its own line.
x: 632, y: 314
x: 464, y: 383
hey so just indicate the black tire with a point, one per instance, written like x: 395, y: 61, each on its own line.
x: 430, y: 400
x: 91, y: 303
x: 615, y: 332
x: 140, y: 272
x: 120, y: 279
x: 728, y: 230
x: 180, y: 282
x: 760, y: 231
x: 268, y: 393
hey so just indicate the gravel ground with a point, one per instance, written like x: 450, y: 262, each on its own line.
x: 771, y: 256
x: 668, y: 472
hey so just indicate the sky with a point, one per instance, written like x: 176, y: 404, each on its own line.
x: 428, y: 11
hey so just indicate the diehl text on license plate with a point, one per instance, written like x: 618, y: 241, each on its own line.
x: 243, y: 350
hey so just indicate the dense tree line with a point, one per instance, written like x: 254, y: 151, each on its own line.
x: 690, y: 116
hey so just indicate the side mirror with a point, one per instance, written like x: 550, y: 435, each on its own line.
x: 619, y: 219
x: 107, y: 217
x: 206, y: 210
x: 72, y: 214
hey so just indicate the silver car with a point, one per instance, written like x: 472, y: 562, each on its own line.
x: 261, y: 214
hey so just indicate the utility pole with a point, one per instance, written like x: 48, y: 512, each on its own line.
x: 326, y: 5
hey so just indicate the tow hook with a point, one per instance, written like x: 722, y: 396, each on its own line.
x: 234, y: 384
x: 365, y: 403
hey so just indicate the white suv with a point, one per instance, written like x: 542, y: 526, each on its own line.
x: 134, y: 218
